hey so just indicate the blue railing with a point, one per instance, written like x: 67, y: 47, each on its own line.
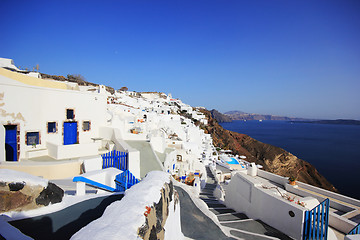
x: 94, y: 183
x: 355, y: 230
x: 125, y: 180
x: 316, y: 222
x: 116, y: 159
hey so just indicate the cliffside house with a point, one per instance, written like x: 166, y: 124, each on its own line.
x: 45, y: 120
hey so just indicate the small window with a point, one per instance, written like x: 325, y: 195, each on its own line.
x: 51, y: 127
x: 70, y: 114
x: 86, y: 125
x: 32, y: 138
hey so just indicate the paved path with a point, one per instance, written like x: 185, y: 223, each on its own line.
x: 194, y: 223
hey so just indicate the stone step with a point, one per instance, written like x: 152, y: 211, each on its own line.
x: 247, y: 235
x: 208, y: 198
x: 232, y: 217
x: 255, y: 226
x: 206, y: 194
x: 221, y: 210
x: 215, y: 205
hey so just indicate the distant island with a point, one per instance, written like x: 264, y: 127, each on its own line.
x: 337, y: 121
x: 243, y: 116
x: 239, y: 115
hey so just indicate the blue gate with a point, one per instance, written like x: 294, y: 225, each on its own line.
x: 11, y: 142
x: 125, y: 180
x: 116, y: 159
x: 70, y: 133
x: 316, y: 222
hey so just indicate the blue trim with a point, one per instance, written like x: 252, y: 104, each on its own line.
x: 116, y: 159
x: 70, y: 133
x: 94, y: 183
x: 125, y: 180
x: 316, y: 222
x: 11, y: 142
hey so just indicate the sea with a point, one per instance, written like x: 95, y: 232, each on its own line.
x: 333, y: 149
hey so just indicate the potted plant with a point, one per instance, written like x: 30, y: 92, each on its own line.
x: 292, y: 180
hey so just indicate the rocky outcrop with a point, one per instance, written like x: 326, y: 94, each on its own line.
x: 50, y: 194
x: 273, y: 159
x: 18, y: 196
x: 220, y: 117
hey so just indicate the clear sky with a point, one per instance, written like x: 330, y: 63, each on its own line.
x: 282, y: 57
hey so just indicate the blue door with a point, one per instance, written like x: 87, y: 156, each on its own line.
x: 70, y: 133
x: 10, y: 142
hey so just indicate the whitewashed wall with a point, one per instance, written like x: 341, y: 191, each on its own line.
x: 244, y: 194
x: 34, y: 106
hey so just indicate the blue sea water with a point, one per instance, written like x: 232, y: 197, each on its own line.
x: 333, y: 149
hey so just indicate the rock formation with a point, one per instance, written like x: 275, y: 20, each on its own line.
x: 220, y: 117
x: 273, y: 159
x: 19, y: 196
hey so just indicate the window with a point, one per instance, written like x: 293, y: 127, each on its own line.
x: 86, y: 125
x: 70, y: 114
x: 32, y: 138
x: 51, y: 127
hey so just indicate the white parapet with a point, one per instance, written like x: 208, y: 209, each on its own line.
x: 245, y: 194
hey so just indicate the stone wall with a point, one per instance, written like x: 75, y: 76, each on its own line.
x: 157, y: 214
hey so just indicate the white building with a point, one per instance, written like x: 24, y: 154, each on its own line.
x: 44, y: 118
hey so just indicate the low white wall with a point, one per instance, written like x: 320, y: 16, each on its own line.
x: 170, y: 159
x: 352, y: 237
x: 72, y: 151
x: 284, y: 181
x: 92, y: 163
x: 272, y: 177
x: 333, y: 204
x: 134, y: 162
x: 330, y: 194
x: 244, y: 194
x: 341, y: 224
x: 140, y: 206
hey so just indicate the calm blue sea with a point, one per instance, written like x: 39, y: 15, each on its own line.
x: 333, y: 149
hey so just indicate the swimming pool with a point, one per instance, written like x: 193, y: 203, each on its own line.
x: 233, y: 161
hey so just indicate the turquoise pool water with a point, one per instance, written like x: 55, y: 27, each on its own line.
x: 233, y: 161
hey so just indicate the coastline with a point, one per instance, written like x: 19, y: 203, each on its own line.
x: 331, y: 148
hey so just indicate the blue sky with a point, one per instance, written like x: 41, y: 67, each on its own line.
x: 294, y: 58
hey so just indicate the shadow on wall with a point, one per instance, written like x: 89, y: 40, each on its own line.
x: 65, y: 223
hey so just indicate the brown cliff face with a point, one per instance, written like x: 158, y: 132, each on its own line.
x: 273, y: 159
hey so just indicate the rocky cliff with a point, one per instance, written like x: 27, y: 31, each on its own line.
x: 273, y: 159
x: 220, y: 117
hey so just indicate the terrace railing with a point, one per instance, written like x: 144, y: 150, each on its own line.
x: 355, y: 230
x: 94, y: 183
x: 116, y: 159
x: 125, y: 180
x: 316, y: 222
